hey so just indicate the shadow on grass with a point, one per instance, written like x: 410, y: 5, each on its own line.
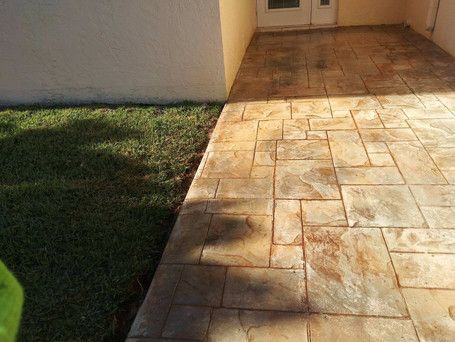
x: 78, y: 222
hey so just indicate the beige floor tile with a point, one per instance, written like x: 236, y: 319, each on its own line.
x: 317, y: 135
x: 399, y: 100
x: 439, y: 217
x: 303, y: 149
x: 354, y: 276
x: 387, y: 135
x: 367, y: 119
x: 295, y: 129
x: 332, y: 124
x: 286, y: 256
x: 235, y: 131
x: 245, y: 188
x: 305, y: 179
x: 228, y: 164
x: 376, y: 147
x: 381, y: 81
x: 238, y: 240
x: 363, y: 102
x: 231, y: 146
x: 311, y: 108
x: 325, y: 328
x: 369, y: 175
x: 444, y: 158
x: 241, y: 325
x: 347, y: 149
x: 393, y: 118
x: 200, y: 285
x: 344, y: 85
x: 420, y: 113
x: 153, y: 311
x: 261, y: 111
x: 432, y: 312
x: 265, y: 289
x: 287, y: 222
x: 425, y: 270
x: 251, y: 206
x: 187, y: 322
x: 415, y: 163
x: 435, y: 133
x: 381, y: 159
x: 434, y: 195
x: 381, y: 206
x: 264, y: 158
x: 202, y: 188
x: 323, y: 213
x: 420, y: 240
x: 186, y: 240
x: 270, y: 130
x: 266, y: 146
x: 262, y: 171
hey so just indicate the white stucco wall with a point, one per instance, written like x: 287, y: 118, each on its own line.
x: 238, y: 24
x: 370, y: 12
x: 78, y: 51
x: 444, y: 31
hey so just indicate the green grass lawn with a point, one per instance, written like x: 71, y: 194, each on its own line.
x: 87, y: 200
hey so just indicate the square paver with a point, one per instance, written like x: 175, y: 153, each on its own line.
x: 305, y: 179
x: 238, y: 240
x: 187, y: 322
x: 228, y: 164
x: 323, y: 213
x: 349, y: 272
x: 265, y: 289
x: 381, y: 206
x: 243, y: 325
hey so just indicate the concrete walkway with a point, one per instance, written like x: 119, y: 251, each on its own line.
x: 323, y: 207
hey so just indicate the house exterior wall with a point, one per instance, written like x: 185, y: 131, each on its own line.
x: 238, y: 24
x: 67, y: 51
x: 443, y: 34
x: 370, y: 12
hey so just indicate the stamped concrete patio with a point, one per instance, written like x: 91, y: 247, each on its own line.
x: 324, y: 206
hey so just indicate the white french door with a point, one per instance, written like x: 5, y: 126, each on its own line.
x: 288, y: 13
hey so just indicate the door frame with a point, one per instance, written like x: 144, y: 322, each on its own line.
x: 262, y: 5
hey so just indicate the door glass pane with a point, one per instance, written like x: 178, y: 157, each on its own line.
x: 325, y: 3
x: 276, y: 4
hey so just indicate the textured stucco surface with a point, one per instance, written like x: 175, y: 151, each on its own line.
x: 238, y: 24
x: 370, y: 12
x: 443, y: 34
x: 68, y: 51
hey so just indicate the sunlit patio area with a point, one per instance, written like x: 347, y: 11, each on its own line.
x: 324, y: 206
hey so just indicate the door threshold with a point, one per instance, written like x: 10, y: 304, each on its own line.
x: 294, y: 28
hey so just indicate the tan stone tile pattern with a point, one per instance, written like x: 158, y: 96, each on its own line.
x: 355, y: 328
x: 243, y: 325
x: 354, y: 276
x: 238, y: 240
x: 323, y: 213
x: 332, y: 124
x: 265, y: 289
x: 415, y: 163
x: 432, y: 312
x: 325, y: 194
x: 283, y: 256
x: 303, y: 149
x: 381, y: 206
x: 245, y: 188
x: 425, y: 270
x: 287, y: 222
x: 200, y: 285
x: 228, y: 164
x: 295, y: 129
x: 420, y: 240
x: 269, y: 111
x: 187, y: 322
x: 305, y: 179
x: 347, y: 149
x: 369, y: 175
